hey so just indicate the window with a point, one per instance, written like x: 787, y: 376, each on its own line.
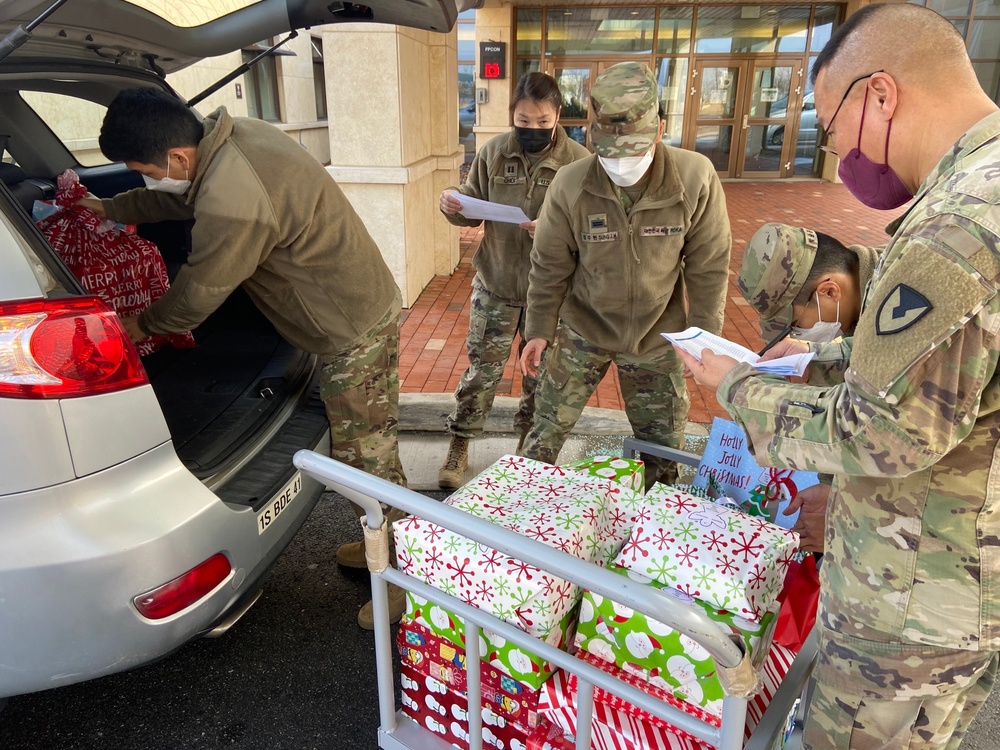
x: 319, y: 77
x: 262, y: 84
x: 979, y: 24
x: 76, y: 122
x: 589, y: 31
x: 752, y: 28
x: 467, y: 81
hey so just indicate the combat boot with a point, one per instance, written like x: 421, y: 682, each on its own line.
x: 397, y: 604
x: 352, y: 554
x: 457, y: 461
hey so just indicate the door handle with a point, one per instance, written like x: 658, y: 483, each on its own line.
x: 745, y: 118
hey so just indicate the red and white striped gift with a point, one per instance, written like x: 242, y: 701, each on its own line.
x: 619, y: 725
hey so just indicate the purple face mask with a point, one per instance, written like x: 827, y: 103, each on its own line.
x: 875, y: 185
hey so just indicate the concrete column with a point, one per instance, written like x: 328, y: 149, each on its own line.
x: 495, y: 23
x: 392, y: 97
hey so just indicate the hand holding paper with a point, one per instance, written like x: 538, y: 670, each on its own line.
x: 695, y: 340
x: 473, y: 208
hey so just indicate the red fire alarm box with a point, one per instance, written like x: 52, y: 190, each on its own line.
x: 493, y: 60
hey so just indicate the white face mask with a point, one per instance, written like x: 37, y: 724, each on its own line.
x: 627, y: 170
x: 168, y: 184
x: 820, y: 333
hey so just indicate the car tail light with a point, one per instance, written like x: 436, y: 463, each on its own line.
x: 184, y: 590
x: 61, y: 348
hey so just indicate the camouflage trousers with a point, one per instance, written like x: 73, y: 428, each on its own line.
x: 876, y: 696
x: 360, y: 390
x: 653, y: 389
x: 492, y: 327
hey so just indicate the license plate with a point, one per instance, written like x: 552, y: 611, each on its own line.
x: 279, y: 504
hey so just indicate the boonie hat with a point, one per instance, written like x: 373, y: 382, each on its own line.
x: 775, y: 266
x: 624, y: 110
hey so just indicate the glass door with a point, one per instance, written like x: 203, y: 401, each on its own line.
x: 717, y: 112
x: 771, y: 103
x: 575, y: 79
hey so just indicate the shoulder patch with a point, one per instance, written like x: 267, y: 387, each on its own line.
x: 900, y: 309
x: 922, y: 298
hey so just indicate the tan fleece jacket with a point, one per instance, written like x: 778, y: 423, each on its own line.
x: 501, y: 173
x: 268, y: 216
x: 618, y: 279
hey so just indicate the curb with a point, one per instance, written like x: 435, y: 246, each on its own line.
x: 428, y: 412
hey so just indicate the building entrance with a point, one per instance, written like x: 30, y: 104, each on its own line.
x: 744, y: 114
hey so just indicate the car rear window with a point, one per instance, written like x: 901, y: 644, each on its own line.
x: 76, y: 122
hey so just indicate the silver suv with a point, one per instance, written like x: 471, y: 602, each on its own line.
x: 142, y: 501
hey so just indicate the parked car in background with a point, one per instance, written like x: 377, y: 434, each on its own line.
x: 142, y: 500
x: 807, y: 122
x: 466, y: 122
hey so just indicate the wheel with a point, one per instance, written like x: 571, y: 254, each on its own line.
x: 779, y: 137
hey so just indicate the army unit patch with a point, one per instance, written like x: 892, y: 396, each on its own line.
x: 597, y: 222
x: 900, y: 309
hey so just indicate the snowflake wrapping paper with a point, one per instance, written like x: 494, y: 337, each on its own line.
x: 711, y: 552
x: 627, y: 472
x: 667, y: 659
x: 582, y: 515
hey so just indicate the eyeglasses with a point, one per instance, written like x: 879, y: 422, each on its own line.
x: 826, y: 131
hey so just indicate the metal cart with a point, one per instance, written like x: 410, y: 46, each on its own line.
x: 398, y: 732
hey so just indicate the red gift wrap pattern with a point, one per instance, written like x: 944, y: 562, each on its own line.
x: 443, y: 711
x: 619, y: 725
x: 436, y: 657
x: 124, y: 270
x: 710, y: 552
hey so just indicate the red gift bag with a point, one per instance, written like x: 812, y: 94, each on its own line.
x: 799, y: 600
x: 124, y: 270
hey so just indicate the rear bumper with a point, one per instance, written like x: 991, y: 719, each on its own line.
x: 74, y: 555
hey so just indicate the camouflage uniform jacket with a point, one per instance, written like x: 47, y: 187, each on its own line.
x: 619, y: 279
x: 501, y: 173
x: 268, y: 217
x: 913, y: 524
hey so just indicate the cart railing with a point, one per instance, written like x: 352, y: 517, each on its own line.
x: 369, y: 492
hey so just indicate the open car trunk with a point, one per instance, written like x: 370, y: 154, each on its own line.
x: 241, y: 402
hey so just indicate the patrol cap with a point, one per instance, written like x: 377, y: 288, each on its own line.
x: 624, y: 110
x: 775, y: 266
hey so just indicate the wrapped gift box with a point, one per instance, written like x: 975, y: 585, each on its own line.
x: 568, y: 510
x: 654, y: 652
x: 527, y: 668
x: 435, y: 657
x: 618, y: 725
x: 627, y: 472
x: 437, y: 708
x: 711, y: 552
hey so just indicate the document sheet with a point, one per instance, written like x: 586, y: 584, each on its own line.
x: 473, y: 208
x: 694, y: 340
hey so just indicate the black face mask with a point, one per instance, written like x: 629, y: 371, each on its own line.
x: 533, y: 140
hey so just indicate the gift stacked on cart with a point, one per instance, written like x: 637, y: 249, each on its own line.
x: 586, y: 510
x: 728, y: 564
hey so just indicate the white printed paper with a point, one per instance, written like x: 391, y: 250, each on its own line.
x: 694, y: 340
x: 473, y: 208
